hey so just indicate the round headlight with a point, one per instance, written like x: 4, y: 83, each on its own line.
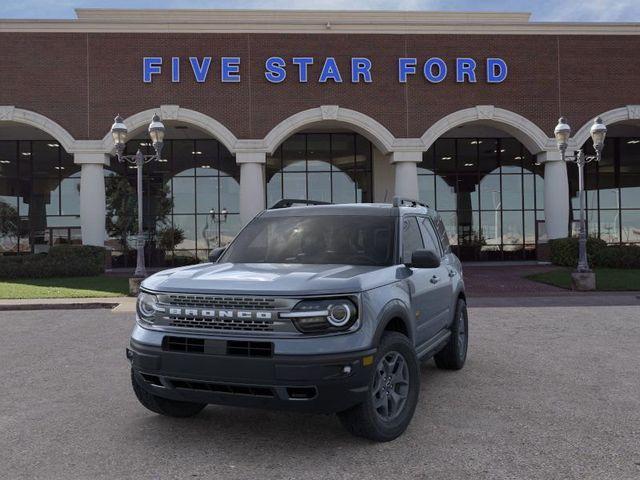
x: 339, y: 314
x: 146, y: 305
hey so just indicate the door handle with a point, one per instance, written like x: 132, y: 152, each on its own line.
x: 435, y: 279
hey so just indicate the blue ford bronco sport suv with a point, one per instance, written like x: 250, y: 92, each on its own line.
x: 314, y: 308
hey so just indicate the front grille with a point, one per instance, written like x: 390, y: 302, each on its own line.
x: 250, y: 349
x: 253, y: 390
x: 211, y: 301
x: 233, y: 324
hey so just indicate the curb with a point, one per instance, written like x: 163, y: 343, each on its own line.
x: 57, y: 306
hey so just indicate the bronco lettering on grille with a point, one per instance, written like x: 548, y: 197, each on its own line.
x: 208, y: 313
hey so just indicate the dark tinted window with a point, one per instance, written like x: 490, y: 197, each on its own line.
x: 429, y: 235
x: 411, y: 238
x: 442, y: 234
x: 318, y: 239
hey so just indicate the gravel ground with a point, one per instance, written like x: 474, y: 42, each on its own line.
x: 548, y: 392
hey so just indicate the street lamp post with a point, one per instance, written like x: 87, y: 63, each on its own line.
x: 562, y: 133
x: 119, y: 133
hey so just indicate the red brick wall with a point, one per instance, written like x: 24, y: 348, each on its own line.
x: 82, y: 80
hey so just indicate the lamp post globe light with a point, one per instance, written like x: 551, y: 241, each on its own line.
x: 156, y: 133
x: 583, y: 278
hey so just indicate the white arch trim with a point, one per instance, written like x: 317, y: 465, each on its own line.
x: 382, y: 138
x: 177, y: 113
x: 629, y: 112
x: 10, y: 113
x: 531, y: 136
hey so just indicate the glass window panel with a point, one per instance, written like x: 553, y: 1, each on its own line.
x: 24, y: 159
x: 449, y: 219
x: 208, y: 232
x: 343, y: 151
x: 206, y: 195
x: 606, y: 165
x: 445, y: 156
x: 319, y: 186
x: 8, y: 191
x: 467, y: 192
x: 512, y: 229
x: 182, y: 159
x: 488, y: 155
x: 491, y: 225
x: 631, y: 226
x: 319, y: 152
x: 45, y: 159
x: 274, y: 189
x: 529, y: 227
x: 426, y: 166
x: 343, y: 187
x: 187, y: 223
x: 67, y: 167
x: 293, y: 153
x: 229, y: 229
x: 630, y: 191
x: 467, y: 154
x: 273, y: 164
x: 539, y: 192
x: 512, y: 192
x: 228, y: 164
x: 363, y: 186
x: 511, y: 155
x: 468, y: 227
x: 230, y: 194
x: 70, y: 196
x: 529, y: 163
x: 294, y: 185
x: 608, y: 191
x: 427, y: 189
x: 206, y: 157
x: 411, y: 238
x: 445, y: 194
x: 363, y: 153
x: 45, y: 196
x: 183, y: 190
x: 529, y: 191
x: 629, y: 155
x: 490, y: 192
x: 610, y: 226
x: 8, y: 159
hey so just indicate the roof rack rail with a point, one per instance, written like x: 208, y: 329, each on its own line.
x: 292, y: 202
x: 400, y: 201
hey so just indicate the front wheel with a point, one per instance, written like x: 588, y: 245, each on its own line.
x: 164, y: 406
x: 392, y: 395
x: 454, y: 354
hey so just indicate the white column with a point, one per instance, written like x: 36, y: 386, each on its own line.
x: 252, y: 188
x: 556, y: 194
x: 92, y: 197
x: 406, y: 167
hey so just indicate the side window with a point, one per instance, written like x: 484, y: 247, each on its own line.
x: 411, y: 238
x: 429, y: 236
x: 442, y: 234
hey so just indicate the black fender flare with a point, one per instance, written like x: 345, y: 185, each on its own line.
x: 394, y: 309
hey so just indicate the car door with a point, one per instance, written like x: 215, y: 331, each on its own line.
x: 441, y: 279
x: 422, y: 287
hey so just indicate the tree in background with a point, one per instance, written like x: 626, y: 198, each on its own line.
x: 9, y: 222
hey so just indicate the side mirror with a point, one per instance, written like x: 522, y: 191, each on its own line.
x: 216, y: 253
x: 424, y: 259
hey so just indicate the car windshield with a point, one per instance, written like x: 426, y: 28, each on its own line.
x: 317, y: 239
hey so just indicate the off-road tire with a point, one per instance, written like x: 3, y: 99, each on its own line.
x: 454, y: 354
x: 363, y: 420
x: 164, y: 406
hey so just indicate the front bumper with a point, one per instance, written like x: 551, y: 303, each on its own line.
x: 308, y: 383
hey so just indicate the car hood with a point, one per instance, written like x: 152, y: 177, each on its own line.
x: 268, y: 278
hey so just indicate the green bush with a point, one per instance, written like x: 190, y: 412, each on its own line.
x: 618, y: 256
x: 564, y: 251
x: 61, y: 261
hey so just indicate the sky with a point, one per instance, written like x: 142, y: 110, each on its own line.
x: 542, y: 10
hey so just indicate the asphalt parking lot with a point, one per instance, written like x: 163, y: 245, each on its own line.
x: 551, y: 392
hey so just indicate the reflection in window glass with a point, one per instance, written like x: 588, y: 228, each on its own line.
x: 630, y: 223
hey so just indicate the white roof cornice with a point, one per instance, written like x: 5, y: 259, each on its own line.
x: 312, y: 21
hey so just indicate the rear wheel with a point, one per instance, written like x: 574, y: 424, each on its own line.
x: 393, y: 392
x: 454, y: 354
x: 164, y: 406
